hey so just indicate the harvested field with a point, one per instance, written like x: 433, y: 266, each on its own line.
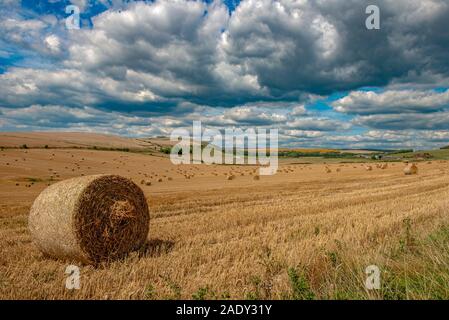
x: 240, y: 239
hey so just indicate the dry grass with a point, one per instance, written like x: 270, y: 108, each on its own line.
x: 301, y: 234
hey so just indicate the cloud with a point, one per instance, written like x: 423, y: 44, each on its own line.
x: 266, y: 63
x: 406, y: 121
x: 392, y: 101
x: 313, y: 132
x: 323, y: 46
x: 55, y: 117
x: 264, y: 50
x: 254, y: 116
x: 318, y: 124
x: 26, y: 31
x: 168, y: 46
x: 298, y: 134
x: 81, y: 4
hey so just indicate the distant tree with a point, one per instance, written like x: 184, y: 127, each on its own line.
x: 165, y: 150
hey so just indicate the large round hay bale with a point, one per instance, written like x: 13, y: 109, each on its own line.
x: 90, y: 219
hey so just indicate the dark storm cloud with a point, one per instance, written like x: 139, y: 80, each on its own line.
x: 323, y: 46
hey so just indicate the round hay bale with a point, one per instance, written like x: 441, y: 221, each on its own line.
x: 90, y: 219
x: 411, y: 169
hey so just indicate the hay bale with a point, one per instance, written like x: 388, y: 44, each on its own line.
x: 256, y: 177
x: 90, y: 219
x: 368, y: 168
x: 384, y: 166
x: 411, y: 169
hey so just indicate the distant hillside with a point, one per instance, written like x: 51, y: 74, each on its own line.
x: 70, y: 140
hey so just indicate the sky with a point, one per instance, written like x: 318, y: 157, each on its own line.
x: 309, y: 68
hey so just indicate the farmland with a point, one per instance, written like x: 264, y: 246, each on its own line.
x: 300, y: 234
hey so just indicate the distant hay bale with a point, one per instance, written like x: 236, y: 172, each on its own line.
x: 90, y: 219
x: 256, y: 177
x: 384, y: 166
x: 328, y: 170
x: 368, y: 168
x: 230, y: 177
x: 411, y: 169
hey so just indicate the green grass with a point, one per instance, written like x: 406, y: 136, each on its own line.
x: 414, y: 269
x: 421, y: 270
x: 439, y: 154
x: 300, y: 285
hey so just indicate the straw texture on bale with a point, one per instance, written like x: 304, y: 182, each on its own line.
x: 90, y: 219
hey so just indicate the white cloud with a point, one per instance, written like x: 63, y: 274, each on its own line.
x: 53, y: 43
x: 392, y: 101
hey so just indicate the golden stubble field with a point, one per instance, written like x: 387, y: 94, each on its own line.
x: 211, y: 237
